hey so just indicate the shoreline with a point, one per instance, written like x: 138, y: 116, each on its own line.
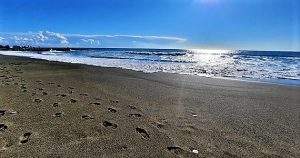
x: 283, y: 82
x: 55, y: 109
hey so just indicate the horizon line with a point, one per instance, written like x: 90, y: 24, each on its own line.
x: 61, y: 47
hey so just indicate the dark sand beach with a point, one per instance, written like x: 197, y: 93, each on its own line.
x: 52, y: 109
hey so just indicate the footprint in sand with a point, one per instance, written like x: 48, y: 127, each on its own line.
x: 98, y: 99
x: 2, y: 127
x: 159, y: 125
x: 179, y: 151
x: 135, y: 115
x: 109, y: 124
x: 25, y: 137
x: 12, y: 112
x: 114, y: 101
x: 2, y: 112
x: 83, y: 94
x: 143, y: 132
x: 175, y: 149
x: 112, y: 110
x: 132, y: 107
x: 96, y: 103
x: 88, y: 117
x: 58, y: 114
x: 45, y: 93
x: 228, y: 154
x: 38, y: 81
x: 73, y: 101
x: 23, y: 86
x: 56, y: 104
x: 37, y: 100
x: 62, y: 95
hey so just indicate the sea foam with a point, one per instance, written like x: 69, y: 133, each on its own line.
x: 211, y: 63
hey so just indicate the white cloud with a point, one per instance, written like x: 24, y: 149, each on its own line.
x: 47, y: 38
x: 42, y: 38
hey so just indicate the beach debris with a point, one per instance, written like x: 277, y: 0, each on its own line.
x: 135, y: 115
x: 112, y: 110
x: 195, y: 151
x: 143, y: 132
x: 194, y: 115
x: 109, y: 124
x: 2, y: 127
x: 25, y: 137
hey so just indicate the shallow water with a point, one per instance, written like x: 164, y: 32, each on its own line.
x: 268, y: 66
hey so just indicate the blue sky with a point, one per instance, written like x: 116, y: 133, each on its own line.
x: 212, y: 24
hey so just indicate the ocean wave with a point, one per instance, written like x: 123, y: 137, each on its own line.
x: 230, y: 64
x: 141, y: 59
x: 267, y: 53
x: 158, y: 53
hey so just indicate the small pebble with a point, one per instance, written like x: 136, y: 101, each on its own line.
x: 195, y: 151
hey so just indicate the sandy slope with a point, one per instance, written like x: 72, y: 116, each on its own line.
x: 51, y: 109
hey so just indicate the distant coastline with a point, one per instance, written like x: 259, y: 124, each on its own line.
x: 32, y: 48
x: 41, y: 48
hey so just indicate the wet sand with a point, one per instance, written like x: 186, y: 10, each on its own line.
x: 52, y: 109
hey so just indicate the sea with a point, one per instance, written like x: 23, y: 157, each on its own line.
x: 275, y: 67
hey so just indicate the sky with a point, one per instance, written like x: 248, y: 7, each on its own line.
x: 205, y: 24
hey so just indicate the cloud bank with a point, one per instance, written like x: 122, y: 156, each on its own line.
x: 52, y: 39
